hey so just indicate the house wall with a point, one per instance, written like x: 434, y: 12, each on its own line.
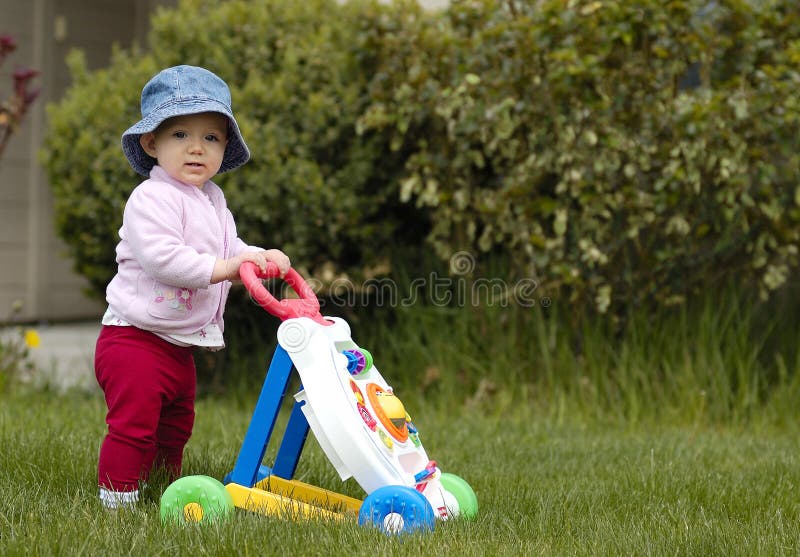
x: 34, y: 269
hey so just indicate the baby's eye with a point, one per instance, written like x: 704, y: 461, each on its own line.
x: 179, y: 135
x: 212, y: 137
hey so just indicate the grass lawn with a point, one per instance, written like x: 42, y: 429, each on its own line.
x: 545, y: 486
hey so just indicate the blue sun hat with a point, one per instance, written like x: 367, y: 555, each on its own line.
x: 179, y: 91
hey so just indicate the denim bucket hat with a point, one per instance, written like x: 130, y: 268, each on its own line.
x: 179, y: 91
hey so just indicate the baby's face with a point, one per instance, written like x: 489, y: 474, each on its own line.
x: 189, y: 148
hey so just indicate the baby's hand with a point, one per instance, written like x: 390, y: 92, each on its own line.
x: 279, y: 258
x: 228, y: 269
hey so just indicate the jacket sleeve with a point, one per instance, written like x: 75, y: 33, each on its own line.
x: 154, y: 231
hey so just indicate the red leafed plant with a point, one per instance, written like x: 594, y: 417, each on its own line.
x: 14, y: 108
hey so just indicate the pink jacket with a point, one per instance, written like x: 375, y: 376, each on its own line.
x: 171, y: 236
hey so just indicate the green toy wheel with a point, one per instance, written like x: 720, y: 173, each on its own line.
x: 461, y: 490
x: 195, y: 499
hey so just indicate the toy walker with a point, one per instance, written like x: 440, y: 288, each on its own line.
x: 360, y: 424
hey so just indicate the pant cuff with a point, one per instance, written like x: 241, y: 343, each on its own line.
x: 118, y: 499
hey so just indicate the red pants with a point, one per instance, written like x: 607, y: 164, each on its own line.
x: 149, y: 385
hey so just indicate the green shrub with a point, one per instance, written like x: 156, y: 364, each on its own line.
x: 563, y: 133
x: 313, y: 187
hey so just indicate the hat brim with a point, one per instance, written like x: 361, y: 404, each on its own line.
x: 236, y: 151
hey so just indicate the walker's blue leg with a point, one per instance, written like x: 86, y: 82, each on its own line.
x: 263, y: 421
x: 293, y: 440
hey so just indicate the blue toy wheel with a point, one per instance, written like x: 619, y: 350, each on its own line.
x: 396, y: 509
x: 195, y: 499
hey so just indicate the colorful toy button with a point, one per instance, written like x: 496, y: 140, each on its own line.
x: 387, y: 441
x: 358, y: 360
x: 426, y: 472
x: 389, y: 411
x: 352, y: 361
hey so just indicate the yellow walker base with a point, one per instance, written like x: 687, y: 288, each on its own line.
x: 292, y: 498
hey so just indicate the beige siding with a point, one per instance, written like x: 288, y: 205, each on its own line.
x: 33, y: 267
x: 15, y: 243
x: 92, y: 26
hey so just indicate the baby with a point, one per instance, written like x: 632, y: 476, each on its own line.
x: 177, y: 254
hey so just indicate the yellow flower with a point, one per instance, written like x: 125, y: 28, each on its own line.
x: 32, y: 339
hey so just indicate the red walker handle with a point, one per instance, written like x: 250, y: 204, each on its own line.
x: 307, y: 305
